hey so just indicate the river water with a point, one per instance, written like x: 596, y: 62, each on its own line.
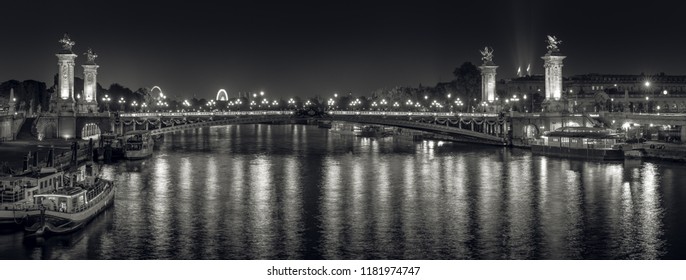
x: 302, y: 192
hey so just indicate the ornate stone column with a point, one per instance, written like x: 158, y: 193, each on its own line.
x: 554, y: 101
x: 488, y: 71
x: 64, y: 101
x: 89, y: 103
x: 553, y: 76
x: 12, y: 102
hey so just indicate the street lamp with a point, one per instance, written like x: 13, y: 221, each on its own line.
x: 121, y: 102
x: 459, y: 104
x: 210, y: 104
x: 514, y: 99
x: 107, y: 99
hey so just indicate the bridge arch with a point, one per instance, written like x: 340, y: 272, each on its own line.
x: 90, y: 131
x: 222, y: 95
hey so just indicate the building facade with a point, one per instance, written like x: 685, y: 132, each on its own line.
x: 610, y: 92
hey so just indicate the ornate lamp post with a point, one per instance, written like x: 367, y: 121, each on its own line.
x: 121, y: 102
x: 107, y: 99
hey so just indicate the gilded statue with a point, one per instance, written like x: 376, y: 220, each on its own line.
x: 553, y: 44
x: 487, y: 54
x: 67, y: 43
x: 91, y: 56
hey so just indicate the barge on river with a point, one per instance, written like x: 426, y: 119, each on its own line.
x: 138, y: 144
x: 73, y: 206
x: 580, y: 142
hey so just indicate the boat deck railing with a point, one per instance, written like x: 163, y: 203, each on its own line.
x: 90, y: 203
x: 93, y: 201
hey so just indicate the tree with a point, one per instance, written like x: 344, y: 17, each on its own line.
x: 468, y: 81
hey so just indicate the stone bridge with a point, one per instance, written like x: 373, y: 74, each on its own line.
x: 479, y: 128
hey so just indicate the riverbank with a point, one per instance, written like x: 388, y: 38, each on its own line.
x: 13, y: 152
x: 654, y: 150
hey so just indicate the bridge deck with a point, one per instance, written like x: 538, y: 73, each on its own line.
x: 398, y: 119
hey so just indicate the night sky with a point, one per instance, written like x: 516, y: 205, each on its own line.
x: 289, y: 48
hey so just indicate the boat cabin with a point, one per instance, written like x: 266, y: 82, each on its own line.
x: 18, y: 191
x: 580, y: 138
x: 72, y: 199
x: 136, y: 140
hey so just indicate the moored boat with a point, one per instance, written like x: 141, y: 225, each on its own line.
x: 138, y: 144
x: 580, y: 142
x: 324, y: 124
x: 17, y: 194
x: 70, y: 208
x: 375, y: 131
x: 111, y: 146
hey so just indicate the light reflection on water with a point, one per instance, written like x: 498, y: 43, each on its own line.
x: 300, y: 192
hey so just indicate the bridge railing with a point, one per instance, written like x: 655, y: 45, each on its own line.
x: 344, y: 113
x: 204, y: 114
x: 421, y: 114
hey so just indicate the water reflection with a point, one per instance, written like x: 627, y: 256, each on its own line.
x: 300, y: 192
